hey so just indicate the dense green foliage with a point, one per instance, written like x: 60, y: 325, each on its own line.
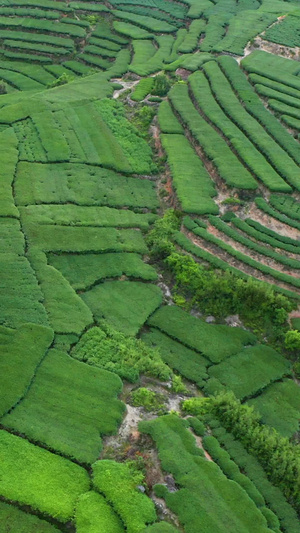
x: 118, y: 483
x: 250, y: 371
x: 278, y: 406
x: 191, y: 180
x: 214, y: 341
x: 18, y: 366
x: 66, y: 400
x: 126, y: 356
x: 33, y: 476
x: 277, y: 455
x: 126, y: 305
x: 187, y: 362
x: 206, y: 498
x: 13, y: 519
x: 224, y: 294
x: 91, y: 293
x: 254, y: 471
x: 94, y: 514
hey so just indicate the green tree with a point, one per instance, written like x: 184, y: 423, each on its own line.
x: 161, y: 85
x: 292, y: 340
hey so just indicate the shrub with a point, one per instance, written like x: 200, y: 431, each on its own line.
x: 146, y: 398
x: 161, y: 85
x: 94, y: 514
x: 126, y: 356
x: 292, y: 340
x: 118, y: 482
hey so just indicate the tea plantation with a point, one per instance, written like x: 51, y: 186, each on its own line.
x: 149, y: 266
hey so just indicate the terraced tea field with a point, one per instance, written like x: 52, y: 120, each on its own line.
x: 150, y: 266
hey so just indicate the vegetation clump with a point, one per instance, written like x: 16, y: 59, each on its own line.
x: 128, y: 357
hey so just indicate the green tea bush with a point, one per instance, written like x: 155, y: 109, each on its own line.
x: 84, y: 270
x: 103, y: 31
x: 72, y: 215
x: 262, y: 233
x: 191, y: 180
x: 277, y: 67
x: 215, y: 147
x: 190, y: 62
x: 280, y: 107
x: 94, y: 514
x: 149, y: 23
x: 97, y: 50
x: 18, y: 365
x: 208, y: 339
x: 118, y: 483
x: 254, y: 285
x: 13, y: 519
x: 214, y: 30
x: 128, y: 357
x: 255, y: 107
x: 36, y: 477
x: 247, y: 151
x: 287, y: 205
x: 36, y: 47
x: 278, y: 158
x: 51, y: 137
x: 291, y: 122
x: 197, y: 426
x: 191, y: 39
x: 15, y: 35
x: 267, y: 92
x: 200, y: 482
x: 131, y: 30
x: 59, y: 238
x: 135, y: 148
x: 47, y: 26
x: 146, y: 60
x: 276, y: 454
x: 67, y: 399
x: 126, y: 305
x: 264, y: 250
x: 168, y: 123
x: 81, y: 185
x: 231, y: 470
x: 21, y: 296
x: 251, y: 370
x: 142, y: 89
x: 278, y: 406
x: 254, y: 471
x: 66, y: 311
x: 285, y: 32
x: 187, y: 362
x: 272, y: 84
x: 20, y: 81
x: 242, y: 28
x: 264, y: 206
x: 276, y: 274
